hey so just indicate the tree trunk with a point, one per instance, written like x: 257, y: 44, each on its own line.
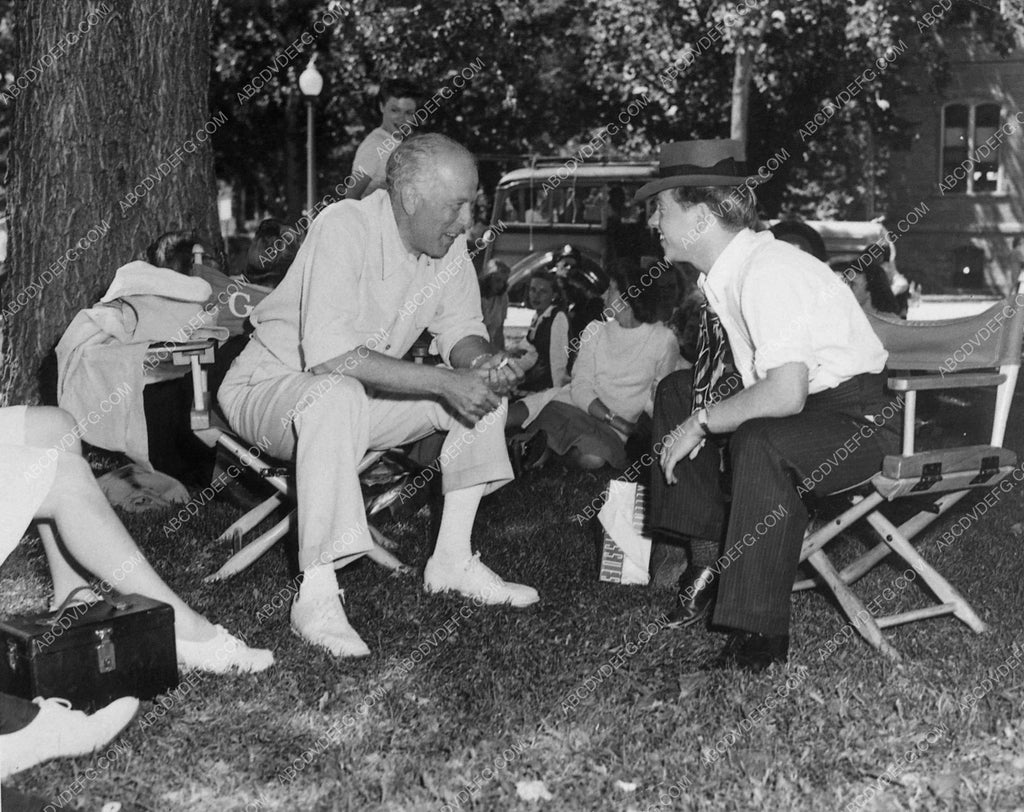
x: 110, y: 148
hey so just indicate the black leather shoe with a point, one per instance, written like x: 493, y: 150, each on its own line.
x: 528, y: 454
x: 697, y: 589
x: 751, y: 651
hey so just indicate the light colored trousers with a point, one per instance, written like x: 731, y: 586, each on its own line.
x: 326, y: 424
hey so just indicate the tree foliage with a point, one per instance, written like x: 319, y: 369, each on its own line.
x: 554, y: 72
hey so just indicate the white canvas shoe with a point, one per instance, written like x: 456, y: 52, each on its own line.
x: 474, y: 579
x: 321, y: 620
x: 222, y: 653
x: 59, y: 732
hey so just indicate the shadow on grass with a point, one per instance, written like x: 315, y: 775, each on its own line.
x: 459, y: 704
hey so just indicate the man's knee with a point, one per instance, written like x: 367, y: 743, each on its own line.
x: 752, y: 437
x: 332, y: 398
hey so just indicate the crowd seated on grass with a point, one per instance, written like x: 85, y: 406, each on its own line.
x: 588, y: 421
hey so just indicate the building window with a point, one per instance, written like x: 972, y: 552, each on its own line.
x: 969, y: 166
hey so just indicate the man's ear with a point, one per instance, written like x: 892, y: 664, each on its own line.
x: 410, y: 199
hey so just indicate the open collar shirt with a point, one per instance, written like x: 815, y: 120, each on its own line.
x: 353, y: 283
x: 779, y: 305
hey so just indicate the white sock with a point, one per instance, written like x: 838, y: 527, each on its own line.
x: 453, y: 538
x: 318, y: 581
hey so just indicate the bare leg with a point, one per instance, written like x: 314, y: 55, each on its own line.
x: 92, y: 534
x: 96, y: 539
x: 66, y: 579
x: 47, y: 427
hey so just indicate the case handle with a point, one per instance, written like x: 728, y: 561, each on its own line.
x: 119, y: 606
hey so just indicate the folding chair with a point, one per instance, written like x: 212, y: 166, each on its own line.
x: 212, y: 430
x: 977, y: 351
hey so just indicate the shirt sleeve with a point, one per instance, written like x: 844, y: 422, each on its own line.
x: 778, y: 317
x: 583, y: 388
x: 333, y: 257
x: 559, y: 350
x: 458, y: 313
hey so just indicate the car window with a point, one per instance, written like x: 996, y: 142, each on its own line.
x: 540, y: 204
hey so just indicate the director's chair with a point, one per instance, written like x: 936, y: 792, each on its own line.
x: 209, y: 427
x: 972, y: 352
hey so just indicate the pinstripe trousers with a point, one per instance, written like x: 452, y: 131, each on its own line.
x: 837, y: 441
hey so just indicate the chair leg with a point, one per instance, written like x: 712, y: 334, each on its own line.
x: 244, y: 524
x: 381, y: 555
x: 824, y: 534
x: 910, y: 528
x: 858, y: 614
x: 252, y: 551
x: 943, y: 590
x: 856, y: 570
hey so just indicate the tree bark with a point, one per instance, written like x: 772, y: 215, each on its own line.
x: 110, y: 148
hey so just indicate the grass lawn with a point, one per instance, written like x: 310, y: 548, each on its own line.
x: 585, y: 692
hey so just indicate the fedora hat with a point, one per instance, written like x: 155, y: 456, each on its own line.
x: 719, y: 162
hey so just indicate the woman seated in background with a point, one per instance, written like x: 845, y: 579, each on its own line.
x: 619, y: 366
x: 548, y: 334
x: 44, y: 476
x: 870, y: 285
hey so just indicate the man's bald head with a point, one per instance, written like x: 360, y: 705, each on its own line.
x: 418, y: 161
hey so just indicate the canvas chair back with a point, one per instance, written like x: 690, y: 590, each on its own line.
x: 988, y: 340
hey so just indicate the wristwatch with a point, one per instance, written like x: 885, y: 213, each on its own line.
x: 702, y: 419
x: 608, y: 418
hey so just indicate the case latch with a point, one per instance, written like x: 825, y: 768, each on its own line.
x: 105, y: 651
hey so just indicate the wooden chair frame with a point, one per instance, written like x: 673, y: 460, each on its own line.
x: 209, y: 428
x: 930, y: 356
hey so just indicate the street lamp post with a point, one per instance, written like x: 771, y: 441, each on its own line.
x: 310, y: 83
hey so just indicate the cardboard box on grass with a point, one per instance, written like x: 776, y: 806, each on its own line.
x: 625, y: 550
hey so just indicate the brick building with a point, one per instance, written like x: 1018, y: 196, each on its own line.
x: 974, y: 193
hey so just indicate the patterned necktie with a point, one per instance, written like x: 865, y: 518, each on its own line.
x: 711, y: 357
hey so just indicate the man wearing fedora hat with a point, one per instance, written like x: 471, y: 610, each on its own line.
x: 810, y: 368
